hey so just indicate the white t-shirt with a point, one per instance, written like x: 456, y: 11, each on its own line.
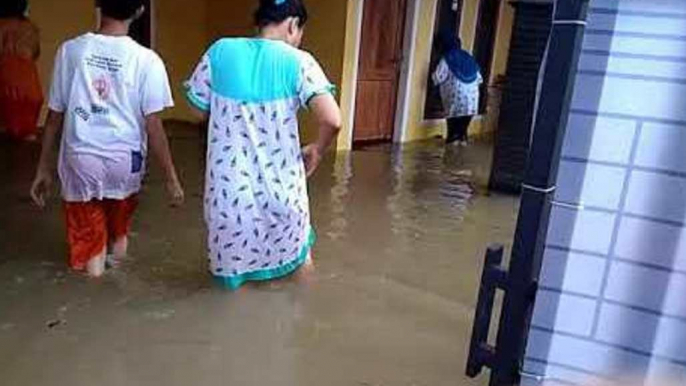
x: 105, y: 86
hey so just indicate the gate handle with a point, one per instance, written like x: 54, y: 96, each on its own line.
x: 493, y: 277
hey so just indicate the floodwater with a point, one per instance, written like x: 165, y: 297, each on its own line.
x: 401, y: 241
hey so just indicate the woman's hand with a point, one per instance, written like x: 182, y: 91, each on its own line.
x: 312, y: 156
x: 328, y: 117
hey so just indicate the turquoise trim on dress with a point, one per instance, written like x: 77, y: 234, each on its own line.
x: 235, y: 282
x: 330, y: 89
x: 254, y: 70
x: 196, y: 102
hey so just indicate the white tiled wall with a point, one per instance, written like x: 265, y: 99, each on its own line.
x: 658, y: 196
x: 574, y: 273
x: 589, y: 231
x: 648, y: 242
x: 596, y: 138
x: 564, y: 313
x: 647, y: 288
x: 593, y: 185
x: 671, y: 142
x: 612, y: 301
x: 617, y: 324
x: 632, y: 96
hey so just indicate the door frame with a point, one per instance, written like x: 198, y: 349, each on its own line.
x: 402, y: 104
x: 404, y: 94
x: 153, y: 22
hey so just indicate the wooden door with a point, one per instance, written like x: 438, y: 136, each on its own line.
x: 379, y: 69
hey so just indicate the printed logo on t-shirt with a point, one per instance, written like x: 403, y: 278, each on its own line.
x: 99, y: 110
x: 102, y: 86
x: 112, y: 65
x: 82, y: 113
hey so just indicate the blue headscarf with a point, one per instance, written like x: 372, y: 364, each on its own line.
x: 461, y: 63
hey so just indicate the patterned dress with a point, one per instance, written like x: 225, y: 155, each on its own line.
x: 460, y: 99
x: 256, y: 201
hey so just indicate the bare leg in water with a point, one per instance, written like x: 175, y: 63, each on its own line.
x: 96, y: 265
x: 118, y: 252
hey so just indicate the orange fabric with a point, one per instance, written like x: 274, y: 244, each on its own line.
x: 91, y: 225
x: 21, y: 96
x: 19, y: 37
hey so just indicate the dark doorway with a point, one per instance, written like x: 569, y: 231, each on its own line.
x: 484, y: 44
x: 449, y: 15
x: 141, y: 29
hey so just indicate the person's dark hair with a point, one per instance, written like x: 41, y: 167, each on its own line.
x: 13, y: 8
x: 120, y: 9
x: 276, y: 11
x: 449, y: 40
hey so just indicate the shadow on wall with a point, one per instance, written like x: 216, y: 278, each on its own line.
x: 658, y: 326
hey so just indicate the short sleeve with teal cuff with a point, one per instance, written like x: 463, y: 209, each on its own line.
x: 199, y: 87
x: 313, y: 80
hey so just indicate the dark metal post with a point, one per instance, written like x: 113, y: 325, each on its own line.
x: 539, y: 188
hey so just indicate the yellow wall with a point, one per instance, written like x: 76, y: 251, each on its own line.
x: 181, y: 38
x: 504, y: 37
x: 230, y: 18
x: 418, y: 128
x: 69, y: 19
x: 324, y: 36
x: 349, y: 73
x: 470, y: 13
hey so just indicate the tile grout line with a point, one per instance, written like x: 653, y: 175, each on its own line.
x: 615, y: 231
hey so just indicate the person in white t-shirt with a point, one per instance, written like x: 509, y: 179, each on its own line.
x: 106, y: 95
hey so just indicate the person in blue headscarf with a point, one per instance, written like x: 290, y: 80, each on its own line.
x: 458, y: 75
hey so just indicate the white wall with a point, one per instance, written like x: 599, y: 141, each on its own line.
x: 613, y: 302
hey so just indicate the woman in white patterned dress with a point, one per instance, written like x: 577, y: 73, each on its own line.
x: 256, y: 201
x: 459, y: 78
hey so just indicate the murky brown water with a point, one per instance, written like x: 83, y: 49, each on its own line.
x: 401, y: 239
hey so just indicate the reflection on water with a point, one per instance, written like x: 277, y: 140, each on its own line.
x: 401, y: 239
x: 339, y: 190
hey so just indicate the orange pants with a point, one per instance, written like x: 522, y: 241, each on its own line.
x: 92, y: 225
x: 21, y: 96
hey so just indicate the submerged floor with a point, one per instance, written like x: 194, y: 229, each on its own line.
x: 401, y: 239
